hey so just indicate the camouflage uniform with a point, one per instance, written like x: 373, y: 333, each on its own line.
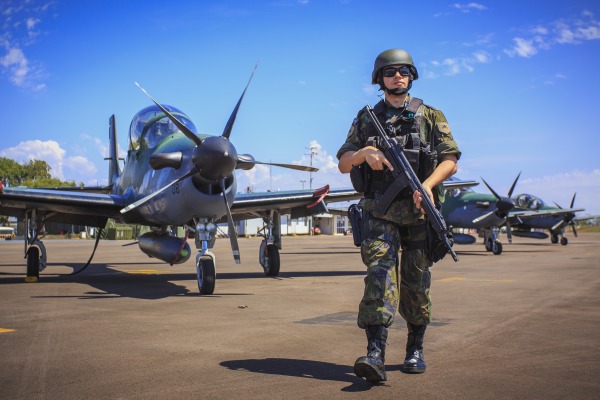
x: 401, y: 225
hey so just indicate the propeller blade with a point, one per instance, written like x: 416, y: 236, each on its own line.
x: 482, y: 217
x: 187, y: 132
x: 574, y: 230
x: 491, y: 190
x: 290, y: 166
x: 151, y: 195
x: 510, y: 192
x: 573, y: 200
x: 235, y: 248
x: 508, y: 231
x: 229, y: 126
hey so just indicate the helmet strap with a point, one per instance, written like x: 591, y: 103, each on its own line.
x: 395, y: 91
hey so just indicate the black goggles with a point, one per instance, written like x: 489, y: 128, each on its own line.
x: 389, y: 72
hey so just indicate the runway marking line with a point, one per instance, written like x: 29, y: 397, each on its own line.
x: 5, y: 330
x: 144, y: 272
x: 460, y: 279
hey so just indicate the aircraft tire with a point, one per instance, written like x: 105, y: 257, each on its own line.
x: 488, y: 244
x: 564, y: 241
x: 554, y: 239
x: 205, y: 271
x: 497, y: 248
x: 33, y: 263
x: 273, y: 261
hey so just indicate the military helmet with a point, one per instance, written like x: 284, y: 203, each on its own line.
x: 393, y: 57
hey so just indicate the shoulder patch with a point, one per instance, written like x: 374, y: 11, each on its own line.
x: 443, y: 127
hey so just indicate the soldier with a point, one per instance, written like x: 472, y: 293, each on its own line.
x: 428, y: 143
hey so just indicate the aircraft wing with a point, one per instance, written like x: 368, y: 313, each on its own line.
x: 250, y: 205
x: 525, y: 214
x: 66, y: 206
x: 295, y: 202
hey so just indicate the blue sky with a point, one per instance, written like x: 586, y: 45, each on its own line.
x: 518, y: 82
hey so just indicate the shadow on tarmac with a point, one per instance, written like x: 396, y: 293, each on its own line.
x: 303, y: 369
x: 144, y: 284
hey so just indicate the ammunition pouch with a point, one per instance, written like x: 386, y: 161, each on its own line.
x: 357, y: 177
x: 355, y: 215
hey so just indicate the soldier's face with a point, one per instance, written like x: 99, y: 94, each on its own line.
x: 399, y: 79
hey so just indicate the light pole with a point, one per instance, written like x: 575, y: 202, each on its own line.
x: 303, y: 182
x: 312, y: 153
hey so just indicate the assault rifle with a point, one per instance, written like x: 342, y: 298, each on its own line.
x: 405, y: 176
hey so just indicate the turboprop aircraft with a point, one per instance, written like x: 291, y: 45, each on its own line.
x: 171, y: 177
x: 554, y: 219
x: 488, y: 214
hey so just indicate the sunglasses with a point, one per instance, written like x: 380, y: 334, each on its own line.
x: 391, y: 71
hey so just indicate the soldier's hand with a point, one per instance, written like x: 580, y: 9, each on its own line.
x: 417, y: 198
x: 376, y: 160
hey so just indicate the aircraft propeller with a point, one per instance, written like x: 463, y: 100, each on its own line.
x: 503, y: 207
x: 568, y: 218
x: 214, y: 159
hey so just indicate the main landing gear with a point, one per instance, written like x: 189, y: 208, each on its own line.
x: 268, y: 254
x: 491, y: 242
x: 554, y: 237
x: 35, y: 251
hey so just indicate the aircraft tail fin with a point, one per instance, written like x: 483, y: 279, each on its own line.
x: 114, y: 171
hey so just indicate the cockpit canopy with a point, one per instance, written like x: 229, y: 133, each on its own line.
x: 151, y: 125
x: 529, y: 201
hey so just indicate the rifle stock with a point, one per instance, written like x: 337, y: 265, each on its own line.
x: 404, y: 175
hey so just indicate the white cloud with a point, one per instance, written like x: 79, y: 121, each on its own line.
x: 456, y: 65
x: 561, y: 32
x: 63, y: 167
x: 19, y: 24
x: 468, y: 7
x: 49, y: 151
x: 523, y: 48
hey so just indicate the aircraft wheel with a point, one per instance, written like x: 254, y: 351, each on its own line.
x: 564, y: 241
x: 489, y: 243
x: 269, y: 258
x: 497, y: 248
x: 205, y: 271
x: 554, y: 239
x: 33, y: 263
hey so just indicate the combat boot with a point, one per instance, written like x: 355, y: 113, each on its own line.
x: 415, y: 362
x: 371, y: 367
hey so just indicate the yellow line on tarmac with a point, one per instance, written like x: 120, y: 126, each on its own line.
x: 460, y: 279
x: 452, y: 279
x: 143, y: 272
x: 4, y: 330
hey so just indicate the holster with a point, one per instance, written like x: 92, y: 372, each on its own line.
x: 355, y: 215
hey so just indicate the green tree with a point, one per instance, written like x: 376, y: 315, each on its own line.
x: 34, y: 174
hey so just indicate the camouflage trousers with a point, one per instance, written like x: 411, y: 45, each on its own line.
x: 383, y: 293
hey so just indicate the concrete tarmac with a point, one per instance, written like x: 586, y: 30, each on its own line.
x: 522, y: 325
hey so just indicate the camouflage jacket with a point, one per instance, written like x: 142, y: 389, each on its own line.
x: 432, y: 122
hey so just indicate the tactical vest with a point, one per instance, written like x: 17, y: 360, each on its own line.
x: 407, y: 132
